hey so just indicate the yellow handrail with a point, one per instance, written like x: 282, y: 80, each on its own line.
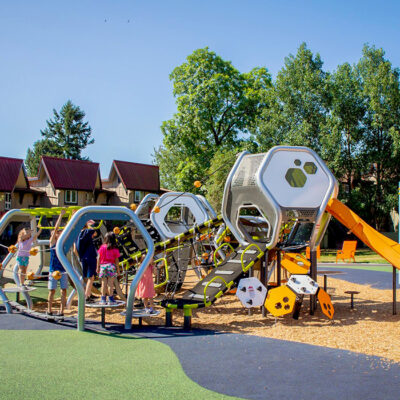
x: 221, y: 236
x: 166, y: 272
x: 227, y: 285
x: 247, y: 267
x: 216, y: 251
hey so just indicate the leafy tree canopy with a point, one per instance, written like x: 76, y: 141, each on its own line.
x: 216, y: 107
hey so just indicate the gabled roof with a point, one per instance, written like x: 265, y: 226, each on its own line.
x: 135, y: 176
x: 70, y: 174
x: 10, y: 169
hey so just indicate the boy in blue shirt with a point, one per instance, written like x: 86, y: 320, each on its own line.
x: 87, y: 253
x: 55, y: 265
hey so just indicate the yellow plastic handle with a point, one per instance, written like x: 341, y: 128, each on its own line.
x: 208, y: 283
x: 246, y: 268
x: 166, y: 272
x: 216, y: 251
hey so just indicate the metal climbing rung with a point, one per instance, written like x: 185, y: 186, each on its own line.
x: 198, y: 296
x: 212, y: 284
x: 225, y: 272
x: 248, y: 251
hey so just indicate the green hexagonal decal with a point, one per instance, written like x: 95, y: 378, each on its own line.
x: 310, y: 168
x: 296, y: 177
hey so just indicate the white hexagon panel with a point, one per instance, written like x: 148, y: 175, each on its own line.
x: 251, y: 292
x: 302, y: 284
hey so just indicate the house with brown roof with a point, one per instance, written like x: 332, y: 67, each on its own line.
x: 131, y: 182
x: 69, y: 182
x: 15, y: 191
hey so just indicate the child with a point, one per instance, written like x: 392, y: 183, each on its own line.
x: 87, y: 253
x: 55, y: 265
x: 145, y: 289
x: 108, y: 267
x: 25, y: 241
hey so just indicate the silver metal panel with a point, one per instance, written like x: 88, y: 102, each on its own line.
x: 211, y: 212
x: 177, y: 199
x: 143, y: 208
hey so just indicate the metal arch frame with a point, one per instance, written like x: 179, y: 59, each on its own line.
x: 145, y: 200
x: 4, y: 221
x: 319, y: 225
x: 211, y: 212
x: 264, y: 190
x: 68, y: 237
x: 228, y: 182
x: 170, y: 203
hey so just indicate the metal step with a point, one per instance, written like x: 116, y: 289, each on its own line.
x: 212, y: 284
x: 198, y: 296
x: 225, y: 272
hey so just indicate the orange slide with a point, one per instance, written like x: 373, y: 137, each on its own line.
x: 385, y: 247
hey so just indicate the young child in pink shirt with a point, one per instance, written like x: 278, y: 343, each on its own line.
x: 25, y: 242
x: 108, y: 267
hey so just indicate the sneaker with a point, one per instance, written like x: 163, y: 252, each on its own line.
x: 112, y: 302
x: 49, y: 315
x: 147, y: 310
x: 152, y: 312
x: 89, y: 300
x: 60, y: 317
x: 102, y: 303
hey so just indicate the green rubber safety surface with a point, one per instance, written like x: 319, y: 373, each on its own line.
x: 71, y: 365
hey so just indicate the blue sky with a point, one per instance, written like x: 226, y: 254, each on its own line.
x: 113, y: 58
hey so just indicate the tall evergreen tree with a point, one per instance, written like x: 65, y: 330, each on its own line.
x: 66, y: 135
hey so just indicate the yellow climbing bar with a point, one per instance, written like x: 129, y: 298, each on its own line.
x: 216, y: 251
x: 260, y: 254
x: 166, y: 272
x: 227, y: 286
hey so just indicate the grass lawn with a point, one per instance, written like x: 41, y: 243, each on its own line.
x: 77, y: 365
x: 362, y: 256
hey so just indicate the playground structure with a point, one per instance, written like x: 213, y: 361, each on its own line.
x: 275, y: 205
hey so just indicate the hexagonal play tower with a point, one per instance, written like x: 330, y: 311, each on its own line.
x: 265, y: 191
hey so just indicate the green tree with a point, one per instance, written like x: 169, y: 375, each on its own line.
x: 381, y: 93
x: 66, y: 135
x: 43, y: 147
x: 342, y: 146
x: 220, y: 166
x: 216, y: 106
x: 298, y: 104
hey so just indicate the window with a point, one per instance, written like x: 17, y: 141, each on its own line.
x: 138, y: 196
x: 71, y: 197
x: 7, y: 201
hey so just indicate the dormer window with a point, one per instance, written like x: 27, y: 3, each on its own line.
x: 7, y: 201
x: 71, y: 197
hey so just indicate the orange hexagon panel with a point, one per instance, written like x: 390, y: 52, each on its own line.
x: 280, y: 301
x: 325, y: 302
